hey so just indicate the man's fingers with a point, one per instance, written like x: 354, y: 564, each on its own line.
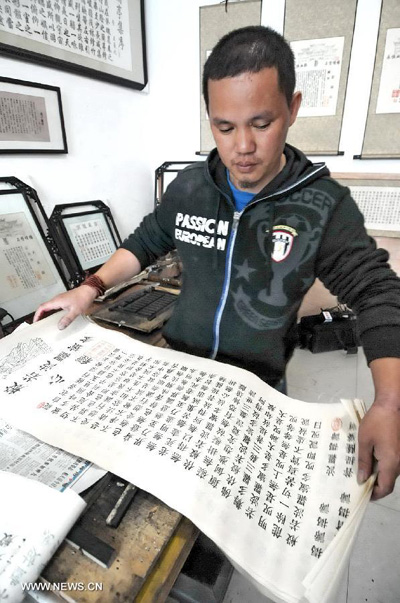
x: 52, y: 306
x: 384, y: 484
x: 388, y: 470
x: 365, y: 458
x: 44, y: 309
x: 66, y: 320
x: 76, y: 302
x: 380, y: 491
x: 379, y: 448
x: 38, y: 314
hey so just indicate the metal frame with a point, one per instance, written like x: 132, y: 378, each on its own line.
x: 75, y: 272
x: 167, y: 166
x: 40, y: 220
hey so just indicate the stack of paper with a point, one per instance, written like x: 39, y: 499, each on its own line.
x: 34, y: 520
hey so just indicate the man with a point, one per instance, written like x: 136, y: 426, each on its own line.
x: 254, y: 225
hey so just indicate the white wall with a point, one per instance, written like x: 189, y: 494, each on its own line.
x: 118, y: 136
x: 105, y: 135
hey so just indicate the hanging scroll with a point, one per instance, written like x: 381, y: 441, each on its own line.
x: 216, y: 21
x: 381, y: 137
x: 322, y: 44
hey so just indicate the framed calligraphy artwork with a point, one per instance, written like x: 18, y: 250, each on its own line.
x: 85, y: 235
x: 31, y: 118
x: 29, y: 274
x: 102, y: 39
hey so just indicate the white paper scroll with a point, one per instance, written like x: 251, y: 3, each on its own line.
x: 318, y: 67
x: 270, y: 479
x: 389, y: 86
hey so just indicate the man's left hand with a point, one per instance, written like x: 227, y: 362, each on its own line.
x: 379, y: 442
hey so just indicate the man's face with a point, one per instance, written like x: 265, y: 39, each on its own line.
x: 250, y: 118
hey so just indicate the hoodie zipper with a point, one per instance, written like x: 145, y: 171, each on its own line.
x: 228, y: 261
x: 225, y: 287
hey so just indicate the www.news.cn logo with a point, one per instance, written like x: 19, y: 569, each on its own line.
x: 61, y: 586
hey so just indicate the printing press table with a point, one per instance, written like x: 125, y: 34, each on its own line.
x: 151, y: 545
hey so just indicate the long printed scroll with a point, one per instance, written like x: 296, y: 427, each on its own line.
x: 271, y: 480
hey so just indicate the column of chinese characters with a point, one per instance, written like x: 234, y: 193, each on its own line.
x: 24, y: 265
x: 350, y: 451
x: 92, y: 240
x: 246, y: 496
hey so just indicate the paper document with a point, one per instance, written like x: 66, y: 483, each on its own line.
x: 24, y: 455
x: 270, y: 479
x: 318, y: 69
x: 389, y: 85
x: 34, y: 520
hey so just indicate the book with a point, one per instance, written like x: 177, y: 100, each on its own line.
x: 271, y: 480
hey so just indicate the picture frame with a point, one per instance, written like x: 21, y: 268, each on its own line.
x: 162, y: 180
x: 29, y: 272
x: 106, y: 44
x: 85, y: 236
x: 31, y: 118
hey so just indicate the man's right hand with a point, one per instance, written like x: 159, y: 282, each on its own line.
x: 76, y: 301
x: 121, y: 266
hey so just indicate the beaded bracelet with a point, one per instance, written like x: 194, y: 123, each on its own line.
x: 96, y: 282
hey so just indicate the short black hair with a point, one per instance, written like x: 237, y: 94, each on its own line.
x: 249, y: 50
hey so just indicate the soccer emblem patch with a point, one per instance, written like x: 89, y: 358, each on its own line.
x: 282, y: 240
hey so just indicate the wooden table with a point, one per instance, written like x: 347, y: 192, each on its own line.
x: 152, y: 543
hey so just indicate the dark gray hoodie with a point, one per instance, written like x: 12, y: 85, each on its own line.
x: 245, y: 274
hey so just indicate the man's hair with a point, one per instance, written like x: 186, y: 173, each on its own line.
x: 249, y: 50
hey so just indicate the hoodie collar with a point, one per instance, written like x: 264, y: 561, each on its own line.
x: 297, y: 172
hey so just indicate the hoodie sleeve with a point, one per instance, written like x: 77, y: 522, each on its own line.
x: 352, y: 267
x: 154, y: 236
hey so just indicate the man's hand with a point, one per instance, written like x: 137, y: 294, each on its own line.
x: 76, y: 301
x: 379, y: 440
x: 379, y: 433
x: 121, y: 266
